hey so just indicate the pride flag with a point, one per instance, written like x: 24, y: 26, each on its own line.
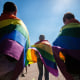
x: 44, y: 50
x: 31, y: 56
x: 14, y: 38
x: 67, y: 43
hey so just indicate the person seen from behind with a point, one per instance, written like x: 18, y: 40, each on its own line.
x: 14, y: 41
x: 40, y: 63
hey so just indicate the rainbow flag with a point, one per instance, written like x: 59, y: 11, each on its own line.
x: 45, y: 53
x: 67, y: 43
x: 31, y: 56
x: 69, y: 39
x: 14, y: 37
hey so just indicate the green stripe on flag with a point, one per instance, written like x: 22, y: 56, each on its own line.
x: 46, y: 55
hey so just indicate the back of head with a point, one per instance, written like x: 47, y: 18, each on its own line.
x: 68, y: 16
x: 41, y: 37
x: 9, y: 7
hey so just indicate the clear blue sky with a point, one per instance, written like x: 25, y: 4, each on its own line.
x: 44, y: 16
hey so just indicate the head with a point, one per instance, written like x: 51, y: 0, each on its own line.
x: 41, y: 37
x: 10, y: 7
x: 67, y: 17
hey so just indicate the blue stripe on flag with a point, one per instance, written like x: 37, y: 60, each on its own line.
x: 67, y: 42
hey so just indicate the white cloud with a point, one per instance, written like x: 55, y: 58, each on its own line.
x: 62, y: 5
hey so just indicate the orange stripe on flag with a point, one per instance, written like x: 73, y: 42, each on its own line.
x: 33, y: 55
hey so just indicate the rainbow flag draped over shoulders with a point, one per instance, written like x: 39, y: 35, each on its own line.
x: 69, y: 39
x: 14, y: 40
x: 14, y: 37
x: 44, y: 50
x: 67, y: 43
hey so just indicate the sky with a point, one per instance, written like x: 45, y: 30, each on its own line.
x: 44, y: 16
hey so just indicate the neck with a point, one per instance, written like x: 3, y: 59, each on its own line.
x: 73, y: 21
x: 8, y: 13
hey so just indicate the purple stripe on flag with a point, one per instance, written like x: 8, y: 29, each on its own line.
x: 73, y: 53
x: 11, y: 48
x: 51, y: 70
x: 60, y: 63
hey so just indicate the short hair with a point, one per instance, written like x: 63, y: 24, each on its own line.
x: 68, y: 16
x: 9, y: 7
x: 41, y: 37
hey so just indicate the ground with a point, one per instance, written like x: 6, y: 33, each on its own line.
x: 32, y: 74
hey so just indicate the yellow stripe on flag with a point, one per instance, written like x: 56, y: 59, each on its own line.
x: 12, y: 21
x: 44, y: 47
x: 31, y: 56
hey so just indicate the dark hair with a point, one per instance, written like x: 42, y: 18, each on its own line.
x: 68, y: 16
x: 41, y: 37
x: 9, y: 7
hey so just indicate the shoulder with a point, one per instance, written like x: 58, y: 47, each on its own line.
x: 70, y: 25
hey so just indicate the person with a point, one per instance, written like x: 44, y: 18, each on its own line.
x: 67, y: 19
x: 14, y: 41
x: 40, y: 63
x: 22, y: 74
x: 68, y: 42
x: 25, y: 68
